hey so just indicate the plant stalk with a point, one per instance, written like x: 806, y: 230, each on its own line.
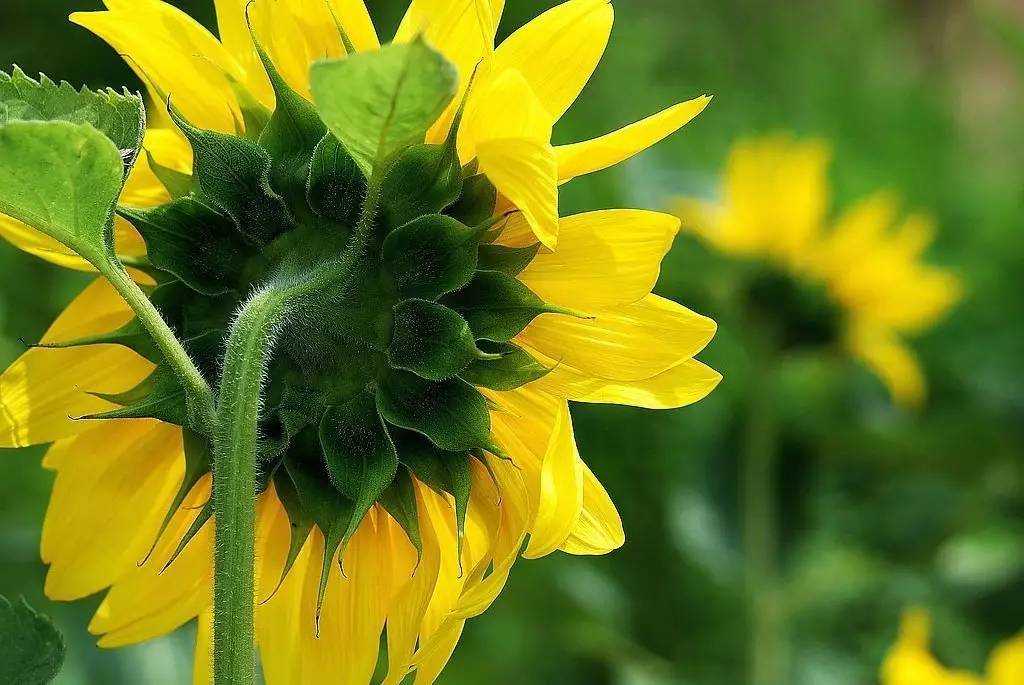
x: 761, y: 534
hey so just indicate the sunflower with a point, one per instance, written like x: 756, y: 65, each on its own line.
x: 857, y: 279
x: 472, y: 318
x: 910, y: 662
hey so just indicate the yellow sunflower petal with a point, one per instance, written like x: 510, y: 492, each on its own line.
x: 558, y: 51
x: 202, y: 668
x: 174, y: 55
x: 524, y: 171
x: 135, y: 467
x: 144, y: 603
x: 280, y: 629
x: 629, y: 343
x: 1006, y: 665
x: 463, y: 31
x: 432, y: 660
x: 599, y: 528
x: 43, y: 392
x: 561, y: 490
x: 677, y: 387
x: 604, y: 259
x: 892, y: 361
x: 589, y: 156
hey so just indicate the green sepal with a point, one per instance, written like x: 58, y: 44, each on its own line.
x: 131, y: 335
x: 441, y: 470
x: 159, y: 396
x: 425, y: 179
x: 399, y: 500
x: 119, y: 116
x: 192, y: 242
x: 360, y: 457
x: 176, y: 183
x: 290, y: 137
x: 255, y: 115
x: 498, y: 307
x: 508, y: 260
x: 451, y: 413
x: 233, y: 174
x: 513, y: 368
x: 381, y: 102
x: 198, y: 462
x: 336, y: 187
x: 431, y: 256
x: 299, y: 521
x: 431, y: 340
x: 201, y: 519
x: 328, y: 508
x: 33, y: 649
x: 477, y: 202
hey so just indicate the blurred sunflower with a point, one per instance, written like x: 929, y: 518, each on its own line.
x: 435, y: 545
x: 910, y: 661
x: 856, y: 281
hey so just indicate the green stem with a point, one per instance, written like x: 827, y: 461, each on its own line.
x: 761, y: 534
x: 198, y: 395
x: 234, y: 486
x: 249, y: 347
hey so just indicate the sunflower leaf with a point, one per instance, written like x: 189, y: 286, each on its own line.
x: 379, y: 103
x: 33, y: 649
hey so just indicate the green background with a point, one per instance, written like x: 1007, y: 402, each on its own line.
x: 880, y: 508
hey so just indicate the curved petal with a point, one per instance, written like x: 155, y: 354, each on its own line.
x: 174, y: 55
x: 146, y: 603
x: 599, y: 528
x: 677, y: 387
x: 589, y: 156
x: 561, y: 490
x: 892, y: 361
x: 202, y: 668
x: 43, y: 391
x: 604, y: 259
x: 1006, y: 665
x: 134, y: 467
x: 558, y: 51
x: 628, y: 343
x: 524, y: 171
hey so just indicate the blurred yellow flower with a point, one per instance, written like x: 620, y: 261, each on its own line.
x: 775, y: 207
x: 117, y: 477
x: 910, y: 661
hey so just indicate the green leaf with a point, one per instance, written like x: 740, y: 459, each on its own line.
x: 400, y: 501
x: 378, y: 103
x: 336, y: 187
x: 451, y: 413
x: 118, y: 116
x: 430, y: 256
x: 361, y: 460
x: 192, y: 242
x: 441, y: 470
x: 497, y: 306
x: 73, y: 201
x: 508, y: 260
x: 290, y: 137
x: 233, y: 174
x: 431, y: 340
x: 477, y: 202
x: 424, y: 179
x: 513, y: 368
x: 32, y: 649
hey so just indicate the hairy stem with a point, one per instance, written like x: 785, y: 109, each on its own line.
x: 199, y: 397
x: 760, y: 526
x: 249, y: 347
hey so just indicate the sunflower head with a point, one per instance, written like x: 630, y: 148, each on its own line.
x: 852, y: 281
x: 414, y: 433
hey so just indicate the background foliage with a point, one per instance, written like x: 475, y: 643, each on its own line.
x: 881, y: 508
